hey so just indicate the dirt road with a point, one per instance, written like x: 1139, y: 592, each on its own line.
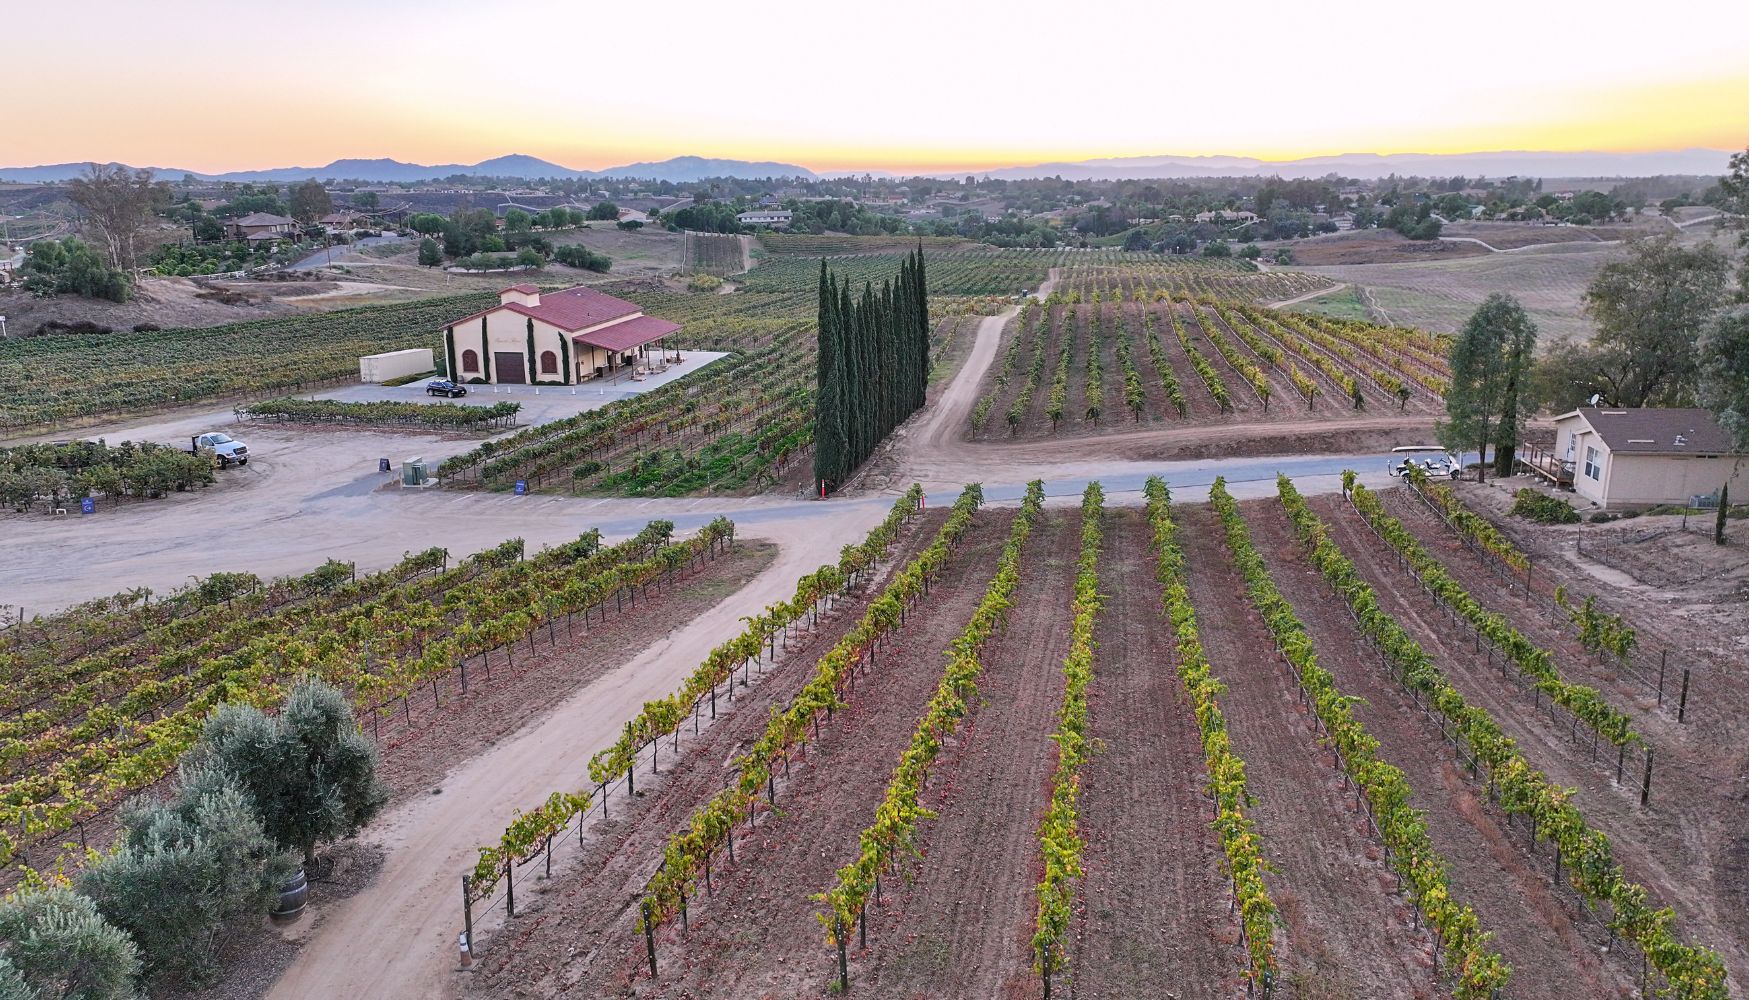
x: 1296, y: 300
x: 396, y: 938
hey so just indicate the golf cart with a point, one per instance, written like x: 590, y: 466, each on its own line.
x: 1431, y: 459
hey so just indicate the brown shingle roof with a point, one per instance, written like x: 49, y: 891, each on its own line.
x: 263, y: 219
x: 1659, y: 431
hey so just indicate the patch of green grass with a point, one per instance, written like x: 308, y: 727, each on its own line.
x: 1345, y: 304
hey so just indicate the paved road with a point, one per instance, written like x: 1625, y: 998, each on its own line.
x: 315, y: 495
x: 326, y: 256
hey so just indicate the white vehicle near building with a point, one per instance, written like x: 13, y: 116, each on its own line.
x: 1429, y: 458
x: 225, y: 448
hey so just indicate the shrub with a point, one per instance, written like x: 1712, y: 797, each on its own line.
x: 77, y: 328
x: 1542, y: 508
x: 582, y: 257
x: 184, y: 870
x: 57, y: 943
x: 704, y: 283
x: 309, y: 771
x: 69, y: 265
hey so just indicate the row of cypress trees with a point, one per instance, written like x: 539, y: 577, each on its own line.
x: 873, y: 366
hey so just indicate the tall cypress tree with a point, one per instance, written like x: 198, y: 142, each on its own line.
x: 872, y: 370
x: 829, y: 395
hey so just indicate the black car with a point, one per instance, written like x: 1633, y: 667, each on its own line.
x: 444, y: 387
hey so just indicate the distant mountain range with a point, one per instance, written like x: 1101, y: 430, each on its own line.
x: 682, y: 169
x: 1376, y: 165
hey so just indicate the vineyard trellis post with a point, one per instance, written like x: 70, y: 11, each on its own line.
x: 1646, y: 784
x: 649, y: 938
x: 468, y: 910
x: 838, y: 931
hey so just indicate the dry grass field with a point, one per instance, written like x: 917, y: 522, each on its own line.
x: 1439, y: 295
x: 1371, y: 246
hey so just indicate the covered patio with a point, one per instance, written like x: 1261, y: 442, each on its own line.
x: 634, y: 349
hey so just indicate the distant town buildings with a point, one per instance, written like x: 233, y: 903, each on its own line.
x: 770, y: 218
x: 261, y: 227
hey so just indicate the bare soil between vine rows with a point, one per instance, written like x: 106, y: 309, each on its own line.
x: 1345, y: 933
x: 1689, y: 846
x: 1537, y: 928
x: 1152, y: 911
x: 1155, y: 902
x: 450, y: 727
x: 575, y: 934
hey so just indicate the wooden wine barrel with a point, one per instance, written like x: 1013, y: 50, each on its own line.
x: 294, y: 895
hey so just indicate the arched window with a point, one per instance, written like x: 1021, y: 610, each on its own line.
x: 470, y: 361
x: 549, y: 363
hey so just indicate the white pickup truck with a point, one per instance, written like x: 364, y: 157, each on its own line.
x: 225, y: 448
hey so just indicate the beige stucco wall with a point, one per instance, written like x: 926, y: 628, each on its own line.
x: 507, y: 331
x: 1642, y: 480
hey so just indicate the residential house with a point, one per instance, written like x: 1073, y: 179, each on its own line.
x: 1637, y: 458
x: 262, y: 226
x: 769, y: 218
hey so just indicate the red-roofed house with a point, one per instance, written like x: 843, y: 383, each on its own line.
x: 551, y: 338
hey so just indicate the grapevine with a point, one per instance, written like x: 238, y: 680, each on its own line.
x: 1692, y: 972
x: 1225, y: 769
x: 1059, y: 836
x: 899, y: 813
x: 1480, y: 971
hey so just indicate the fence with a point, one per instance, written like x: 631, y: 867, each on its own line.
x: 1667, y: 677
x: 503, y: 893
x: 1557, y: 713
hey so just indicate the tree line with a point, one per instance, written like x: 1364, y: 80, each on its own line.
x: 1672, y: 330
x: 873, y: 366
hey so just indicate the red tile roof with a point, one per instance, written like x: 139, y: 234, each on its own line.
x: 525, y: 288
x: 570, y: 310
x: 628, y: 334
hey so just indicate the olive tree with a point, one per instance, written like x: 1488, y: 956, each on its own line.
x: 59, y: 946
x: 187, y: 869
x: 12, y: 984
x: 309, y: 771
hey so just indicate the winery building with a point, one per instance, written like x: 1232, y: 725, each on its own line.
x: 553, y: 338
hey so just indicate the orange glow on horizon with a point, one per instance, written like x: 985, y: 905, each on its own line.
x: 964, y: 113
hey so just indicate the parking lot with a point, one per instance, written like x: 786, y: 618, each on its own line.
x: 540, y: 403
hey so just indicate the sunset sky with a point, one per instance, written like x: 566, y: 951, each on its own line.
x: 215, y: 85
